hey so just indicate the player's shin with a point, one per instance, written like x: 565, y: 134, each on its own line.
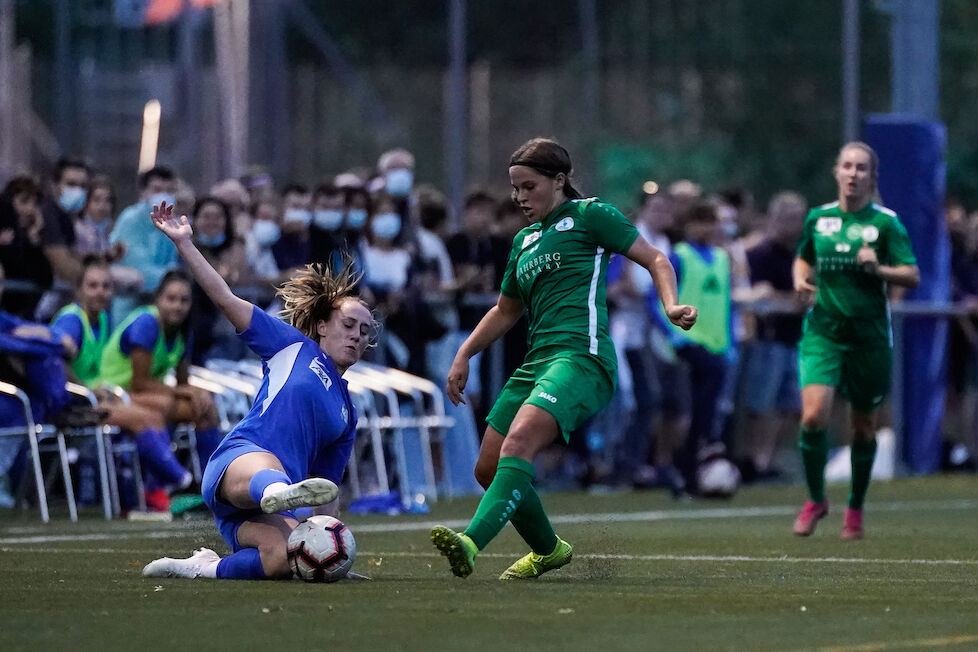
x: 242, y: 565
x: 862, y: 455
x: 513, y: 482
x: 264, y: 479
x: 533, y: 524
x: 814, y: 446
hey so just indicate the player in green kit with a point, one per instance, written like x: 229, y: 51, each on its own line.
x: 556, y: 273
x: 850, y: 252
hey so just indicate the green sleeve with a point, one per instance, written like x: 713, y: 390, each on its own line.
x: 608, y: 227
x: 509, y: 286
x: 898, y: 249
x: 806, y: 244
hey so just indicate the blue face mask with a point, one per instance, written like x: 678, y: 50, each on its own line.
x: 356, y: 217
x: 158, y: 198
x: 398, y: 182
x: 211, y: 240
x: 386, y: 225
x: 298, y: 215
x: 72, y: 199
x: 328, y: 219
x: 266, y: 232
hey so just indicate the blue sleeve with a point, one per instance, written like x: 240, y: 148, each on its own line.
x: 331, y: 462
x: 615, y: 268
x: 71, y: 325
x: 142, y: 333
x: 9, y: 322
x: 267, y: 335
x: 677, y: 264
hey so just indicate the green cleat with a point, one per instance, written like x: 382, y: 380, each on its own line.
x: 459, y: 549
x: 533, y: 565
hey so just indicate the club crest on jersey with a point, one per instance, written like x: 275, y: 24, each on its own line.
x: 530, y: 239
x: 565, y: 224
x: 827, y: 225
x: 871, y: 233
x: 317, y: 368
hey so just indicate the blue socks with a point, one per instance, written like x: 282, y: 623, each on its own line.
x: 242, y: 565
x: 155, y: 453
x: 207, y: 442
x: 262, y: 479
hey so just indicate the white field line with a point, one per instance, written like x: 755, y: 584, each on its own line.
x: 597, y: 556
x: 196, y: 527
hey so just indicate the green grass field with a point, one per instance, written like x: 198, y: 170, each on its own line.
x: 648, y: 573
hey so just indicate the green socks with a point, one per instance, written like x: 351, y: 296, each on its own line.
x: 512, y: 490
x: 814, y: 445
x: 862, y: 455
x: 533, y: 524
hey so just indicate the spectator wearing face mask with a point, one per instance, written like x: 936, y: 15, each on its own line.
x: 389, y: 273
x: 215, y: 238
x: 293, y: 249
x: 265, y: 231
x: 146, y: 249
x: 327, y: 236
x: 68, y: 193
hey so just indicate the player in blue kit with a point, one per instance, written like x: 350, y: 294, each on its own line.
x: 292, y: 447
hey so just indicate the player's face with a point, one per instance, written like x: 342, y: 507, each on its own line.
x: 536, y: 194
x: 173, y: 303
x: 99, y: 205
x: 95, y: 291
x: 854, y: 174
x: 345, y: 336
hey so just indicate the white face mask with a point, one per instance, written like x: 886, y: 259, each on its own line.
x: 72, y: 198
x: 266, y: 232
x: 158, y: 198
x: 386, y: 225
x: 328, y: 219
x: 298, y: 215
x: 356, y: 217
x: 398, y: 182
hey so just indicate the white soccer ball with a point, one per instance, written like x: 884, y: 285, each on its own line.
x: 321, y: 549
x: 718, y: 477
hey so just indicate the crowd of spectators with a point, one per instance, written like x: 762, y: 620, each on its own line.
x: 732, y: 390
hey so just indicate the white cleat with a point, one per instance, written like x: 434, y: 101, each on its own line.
x: 196, y: 565
x: 308, y: 493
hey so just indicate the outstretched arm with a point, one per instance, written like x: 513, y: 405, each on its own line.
x: 664, y: 277
x: 238, y: 311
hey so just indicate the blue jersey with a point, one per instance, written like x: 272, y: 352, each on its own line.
x: 303, y: 413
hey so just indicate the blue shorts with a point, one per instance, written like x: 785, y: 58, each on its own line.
x: 771, y: 378
x: 228, y: 517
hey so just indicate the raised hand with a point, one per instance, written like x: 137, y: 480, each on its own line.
x: 682, y: 316
x: 176, y: 229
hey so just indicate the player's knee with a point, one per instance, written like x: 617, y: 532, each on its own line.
x: 274, y: 561
x: 484, y: 473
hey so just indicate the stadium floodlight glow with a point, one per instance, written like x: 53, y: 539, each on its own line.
x: 650, y: 187
x: 151, y: 135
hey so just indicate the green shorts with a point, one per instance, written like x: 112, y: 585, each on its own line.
x: 570, y: 387
x: 861, y: 373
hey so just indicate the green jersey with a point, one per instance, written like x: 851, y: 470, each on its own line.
x: 557, y: 269
x: 117, y: 366
x: 88, y: 362
x: 847, y: 297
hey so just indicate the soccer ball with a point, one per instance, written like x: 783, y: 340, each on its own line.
x: 718, y: 477
x: 321, y: 549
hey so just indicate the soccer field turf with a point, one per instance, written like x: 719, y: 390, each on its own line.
x: 648, y: 573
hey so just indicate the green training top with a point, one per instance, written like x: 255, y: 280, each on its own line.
x: 88, y: 362
x: 829, y: 242
x: 706, y: 286
x: 557, y: 269
x: 116, y: 365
